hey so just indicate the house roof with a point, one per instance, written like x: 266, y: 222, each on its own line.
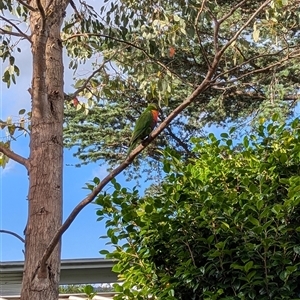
x: 99, y: 296
x: 73, y: 271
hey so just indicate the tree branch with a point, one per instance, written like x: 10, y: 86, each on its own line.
x: 260, y: 70
x: 198, y: 33
x: 251, y: 60
x: 202, y: 87
x: 14, y: 156
x: 26, y: 5
x: 13, y: 233
x: 220, y: 21
x: 220, y: 53
x: 25, y: 36
x: 42, y: 11
x: 3, y: 31
x: 89, y: 78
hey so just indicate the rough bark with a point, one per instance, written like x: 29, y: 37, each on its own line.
x: 40, y: 282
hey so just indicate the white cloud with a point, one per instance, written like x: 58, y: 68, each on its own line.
x: 8, y: 168
x: 100, y: 172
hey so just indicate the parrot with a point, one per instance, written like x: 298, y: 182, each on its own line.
x: 143, y: 126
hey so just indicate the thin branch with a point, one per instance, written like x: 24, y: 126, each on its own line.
x: 75, y: 9
x: 231, y: 12
x: 13, y: 233
x: 259, y: 70
x: 15, y: 126
x: 25, y: 36
x: 42, y: 11
x: 250, y: 60
x: 2, y: 31
x: 21, y: 129
x: 14, y: 156
x: 178, y: 140
x: 26, y: 5
x: 191, y: 253
x: 220, y: 53
x: 216, y: 30
x: 90, y: 77
x: 198, y: 33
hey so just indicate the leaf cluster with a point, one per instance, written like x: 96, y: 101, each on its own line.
x: 224, y: 226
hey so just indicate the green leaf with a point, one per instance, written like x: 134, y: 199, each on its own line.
x: 248, y: 266
x: 88, y: 289
x: 253, y: 220
x: 104, y: 252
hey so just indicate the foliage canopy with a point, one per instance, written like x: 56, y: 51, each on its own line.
x: 162, y: 51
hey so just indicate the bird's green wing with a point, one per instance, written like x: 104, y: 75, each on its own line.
x: 142, y: 127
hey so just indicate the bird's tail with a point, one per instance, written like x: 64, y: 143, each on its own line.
x: 131, y: 147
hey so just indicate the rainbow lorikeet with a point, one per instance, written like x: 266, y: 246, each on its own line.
x: 144, y: 125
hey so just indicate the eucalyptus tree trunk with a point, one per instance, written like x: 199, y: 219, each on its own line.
x: 40, y: 282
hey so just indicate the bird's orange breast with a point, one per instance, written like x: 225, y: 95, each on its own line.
x: 155, y: 115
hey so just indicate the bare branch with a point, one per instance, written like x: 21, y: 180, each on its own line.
x: 22, y: 34
x: 231, y: 12
x: 13, y: 233
x: 90, y: 77
x: 42, y: 11
x: 252, y: 59
x: 198, y: 33
x: 2, y: 31
x: 26, y: 5
x: 220, y: 53
x: 14, y: 156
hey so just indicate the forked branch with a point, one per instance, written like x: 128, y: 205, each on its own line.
x: 21, y: 33
x: 26, y: 5
x: 14, y: 156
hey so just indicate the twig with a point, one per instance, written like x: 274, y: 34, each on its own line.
x: 17, y: 28
x: 14, y: 156
x: 3, y: 31
x: 15, y: 126
x: 90, y: 77
x: 42, y: 11
x: 220, y: 53
x: 75, y: 8
x: 191, y: 253
x: 249, y: 61
x: 259, y: 70
x: 231, y: 12
x: 13, y: 233
x: 198, y: 33
x: 26, y: 5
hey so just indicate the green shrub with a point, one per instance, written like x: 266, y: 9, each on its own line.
x: 224, y: 225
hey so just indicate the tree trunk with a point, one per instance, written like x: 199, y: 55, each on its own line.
x: 46, y: 152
